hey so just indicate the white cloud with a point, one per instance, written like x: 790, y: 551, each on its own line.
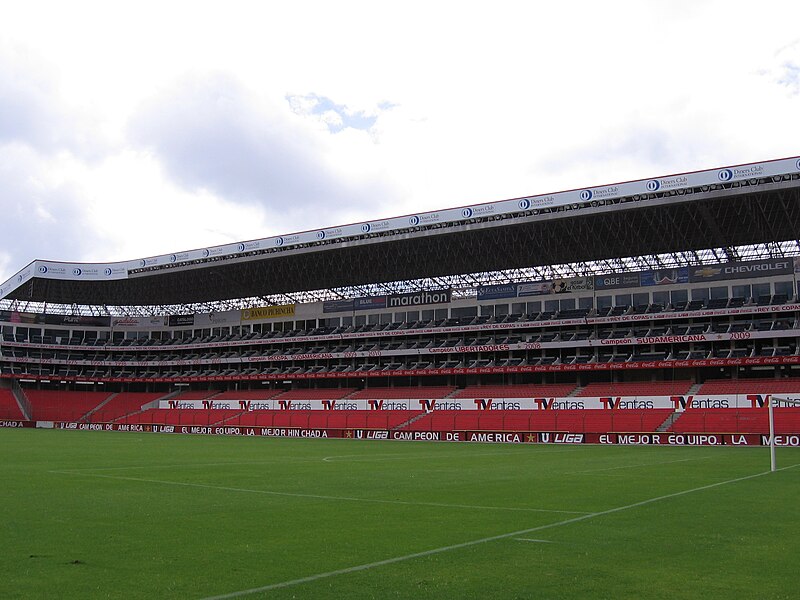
x: 785, y: 68
x: 144, y: 215
x: 43, y: 215
x: 211, y: 134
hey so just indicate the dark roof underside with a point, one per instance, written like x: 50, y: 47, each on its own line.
x: 723, y: 221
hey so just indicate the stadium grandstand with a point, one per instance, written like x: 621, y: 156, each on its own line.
x: 666, y: 306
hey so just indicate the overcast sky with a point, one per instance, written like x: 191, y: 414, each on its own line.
x: 130, y: 131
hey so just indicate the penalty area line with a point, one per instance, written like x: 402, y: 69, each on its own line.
x: 494, y: 538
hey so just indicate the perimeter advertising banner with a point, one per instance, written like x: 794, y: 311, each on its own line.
x: 575, y: 284
x: 496, y: 292
x: 138, y: 322
x: 534, y: 289
x: 481, y: 437
x: 741, y: 270
x: 267, y: 312
x: 664, y: 277
x: 419, y: 298
x: 15, y: 424
x: 82, y: 320
x: 181, y: 320
x: 616, y: 280
x: 13, y: 316
x: 369, y: 303
x: 228, y: 317
x: 376, y: 302
x: 332, y: 306
x: 610, y: 403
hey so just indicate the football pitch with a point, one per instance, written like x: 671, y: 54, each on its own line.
x: 127, y: 515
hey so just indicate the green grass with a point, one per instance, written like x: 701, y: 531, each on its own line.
x: 111, y: 515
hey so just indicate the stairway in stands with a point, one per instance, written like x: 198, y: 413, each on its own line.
x: 146, y: 407
x: 694, y: 389
x: 576, y: 392
x: 669, y: 421
x: 22, y: 401
x: 413, y: 419
x: 85, y: 418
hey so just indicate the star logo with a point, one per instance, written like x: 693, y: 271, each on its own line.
x: 348, y: 434
x: 531, y: 439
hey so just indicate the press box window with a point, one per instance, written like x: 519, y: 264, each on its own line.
x: 467, y: 311
x: 641, y: 299
x: 741, y: 291
x: 566, y: 304
x: 661, y: 298
x: 761, y: 289
x: 784, y: 287
x: 604, y: 302
x: 622, y: 300
x: 718, y: 293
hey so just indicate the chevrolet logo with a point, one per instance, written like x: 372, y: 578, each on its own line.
x: 707, y: 272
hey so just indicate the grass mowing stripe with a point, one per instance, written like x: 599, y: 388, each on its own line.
x: 275, y: 461
x: 362, y: 458
x: 320, y: 496
x: 285, y: 459
x: 513, y: 534
x: 651, y: 464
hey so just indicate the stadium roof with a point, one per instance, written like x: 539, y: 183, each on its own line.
x: 599, y: 232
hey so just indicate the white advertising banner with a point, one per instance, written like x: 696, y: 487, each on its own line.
x: 619, y: 403
x: 217, y: 319
x: 139, y: 322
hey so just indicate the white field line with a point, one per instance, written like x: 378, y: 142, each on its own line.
x: 534, y: 540
x: 320, y: 496
x: 513, y: 534
x: 651, y: 464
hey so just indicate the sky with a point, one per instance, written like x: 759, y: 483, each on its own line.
x: 130, y: 130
